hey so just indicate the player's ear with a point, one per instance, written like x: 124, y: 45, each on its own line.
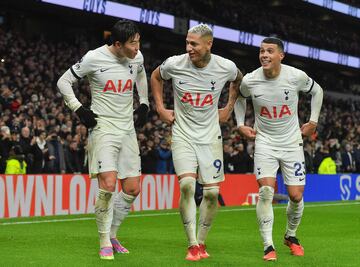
x: 209, y: 43
x: 282, y: 55
x: 118, y: 44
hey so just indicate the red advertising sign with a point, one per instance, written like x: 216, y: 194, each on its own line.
x: 45, y: 195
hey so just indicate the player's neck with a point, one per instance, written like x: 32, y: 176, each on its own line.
x: 203, y: 62
x: 272, y: 73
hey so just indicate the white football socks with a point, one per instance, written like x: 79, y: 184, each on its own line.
x: 187, y: 208
x: 294, y: 213
x: 122, y: 205
x: 208, y: 208
x: 265, y: 214
x: 104, y: 214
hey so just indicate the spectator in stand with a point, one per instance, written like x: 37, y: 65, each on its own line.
x: 327, y: 165
x: 357, y: 157
x: 308, y: 153
x: 348, y: 160
x: 149, y: 156
x: 56, y: 163
x: 5, y: 146
x: 72, y: 159
x: 16, y: 163
x: 241, y: 160
x: 25, y: 144
x: 39, y: 149
x: 164, y: 162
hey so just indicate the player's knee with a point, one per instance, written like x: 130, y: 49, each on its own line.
x: 266, y: 193
x: 134, y: 191
x: 210, y: 194
x: 107, y: 185
x: 187, y: 186
x: 296, y: 197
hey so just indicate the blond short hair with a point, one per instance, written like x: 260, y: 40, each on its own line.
x: 202, y: 29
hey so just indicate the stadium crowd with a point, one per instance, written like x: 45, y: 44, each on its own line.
x: 291, y: 23
x: 38, y: 130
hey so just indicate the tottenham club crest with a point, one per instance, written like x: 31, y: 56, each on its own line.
x: 213, y: 85
x: 286, y: 92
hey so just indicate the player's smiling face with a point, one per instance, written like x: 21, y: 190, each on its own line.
x: 270, y: 56
x: 198, y: 47
x: 130, y: 48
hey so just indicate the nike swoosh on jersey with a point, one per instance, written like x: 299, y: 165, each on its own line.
x: 256, y: 96
x: 103, y: 69
x: 181, y: 82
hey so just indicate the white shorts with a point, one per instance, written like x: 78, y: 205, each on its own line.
x: 109, y: 152
x: 204, y: 159
x: 292, y: 164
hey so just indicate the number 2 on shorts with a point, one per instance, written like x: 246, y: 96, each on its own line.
x: 297, y: 166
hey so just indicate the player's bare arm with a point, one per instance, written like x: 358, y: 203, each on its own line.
x: 157, y: 85
x: 240, y: 110
x: 225, y: 113
x: 316, y: 102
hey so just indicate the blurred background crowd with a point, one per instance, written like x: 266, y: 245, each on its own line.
x: 37, y: 129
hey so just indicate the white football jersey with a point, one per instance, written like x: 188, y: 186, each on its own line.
x: 196, y: 96
x: 112, y: 84
x: 275, y: 104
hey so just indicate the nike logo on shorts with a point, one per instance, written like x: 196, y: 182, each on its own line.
x: 256, y: 96
x: 217, y: 176
x: 103, y: 69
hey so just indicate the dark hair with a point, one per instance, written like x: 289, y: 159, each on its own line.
x: 123, y: 30
x: 274, y: 40
x: 17, y: 150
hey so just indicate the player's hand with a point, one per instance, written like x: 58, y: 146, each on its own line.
x: 224, y: 114
x: 87, y: 117
x: 248, y: 132
x: 141, y: 112
x: 167, y: 116
x: 308, y: 128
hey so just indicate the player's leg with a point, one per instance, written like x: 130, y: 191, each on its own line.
x: 266, y: 165
x: 187, y: 207
x: 294, y: 213
x: 122, y: 205
x: 293, y: 168
x: 186, y: 166
x: 265, y: 215
x: 211, y: 174
x: 128, y: 166
x: 101, y: 165
x: 208, y: 209
x: 104, y: 211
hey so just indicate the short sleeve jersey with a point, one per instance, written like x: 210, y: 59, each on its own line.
x: 196, y: 96
x: 275, y: 104
x: 112, y: 85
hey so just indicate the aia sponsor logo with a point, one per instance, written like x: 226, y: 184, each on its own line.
x: 275, y: 112
x: 118, y: 86
x: 197, y: 99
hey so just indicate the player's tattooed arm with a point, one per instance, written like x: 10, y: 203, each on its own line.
x: 234, y: 90
x: 225, y: 113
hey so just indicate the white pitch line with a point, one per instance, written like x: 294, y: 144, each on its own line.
x: 174, y: 213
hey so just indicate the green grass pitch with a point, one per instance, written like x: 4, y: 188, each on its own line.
x: 329, y: 232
